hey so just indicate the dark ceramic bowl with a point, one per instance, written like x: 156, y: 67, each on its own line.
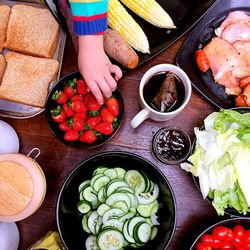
x: 230, y: 223
x: 228, y: 211
x: 51, y: 104
x: 69, y: 220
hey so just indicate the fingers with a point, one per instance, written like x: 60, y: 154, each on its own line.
x: 115, y: 70
x: 94, y: 88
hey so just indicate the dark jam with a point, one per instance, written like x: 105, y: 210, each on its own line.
x: 153, y: 86
x: 172, y: 145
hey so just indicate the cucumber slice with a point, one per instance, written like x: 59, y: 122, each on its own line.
x: 146, y: 210
x: 100, y: 182
x: 115, y: 197
x: 99, y: 170
x: 83, y: 185
x: 121, y: 205
x: 135, y: 180
x: 117, y: 183
x: 154, y: 220
x: 134, y: 200
x: 89, y: 194
x: 132, y: 224
x: 125, y: 190
x: 154, y: 231
x: 120, y: 172
x: 101, y: 195
x: 126, y: 234
x: 83, y: 206
x: 111, y: 173
x: 84, y: 224
x: 115, y: 223
x: 102, y: 209
x: 110, y: 240
x: 91, y: 243
x: 147, y: 198
x: 94, y: 179
x: 92, y: 221
x: 112, y: 213
x: 142, y: 232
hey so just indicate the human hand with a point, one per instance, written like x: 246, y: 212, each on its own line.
x: 96, y: 67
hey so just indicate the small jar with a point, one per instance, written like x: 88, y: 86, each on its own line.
x: 171, y: 145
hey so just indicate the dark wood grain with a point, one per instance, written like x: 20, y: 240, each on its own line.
x: 57, y: 160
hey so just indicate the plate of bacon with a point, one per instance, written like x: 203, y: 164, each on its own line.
x: 216, y: 55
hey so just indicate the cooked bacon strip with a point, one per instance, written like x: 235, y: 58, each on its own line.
x: 237, y: 32
x: 243, y: 67
x: 222, y: 58
x: 233, y: 17
x: 244, y: 82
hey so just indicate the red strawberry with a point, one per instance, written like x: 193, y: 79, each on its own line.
x: 58, y: 114
x: 71, y: 135
x: 81, y: 87
x: 78, y: 106
x: 104, y: 128
x: 77, y: 124
x: 70, y: 88
x: 88, y: 136
x: 64, y: 126
x: 76, y: 97
x: 107, y: 116
x: 60, y: 97
x: 93, y: 121
x: 82, y: 115
x: 68, y: 111
x: 86, y: 98
x: 113, y: 106
x: 93, y: 104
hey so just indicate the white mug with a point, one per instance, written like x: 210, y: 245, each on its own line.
x: 147, y: 111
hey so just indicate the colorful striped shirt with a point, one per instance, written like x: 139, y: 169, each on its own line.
x: 90, y: 16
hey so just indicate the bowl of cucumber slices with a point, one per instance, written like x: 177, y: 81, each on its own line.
x: 116, y: 200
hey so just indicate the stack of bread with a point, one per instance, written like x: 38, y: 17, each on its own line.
x: 28, y: 38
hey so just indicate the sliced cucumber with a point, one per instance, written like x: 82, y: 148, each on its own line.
x: 99, y: 170
x: 89, y: 194
x: 121, y: 205
x: 112, y: 213
x: 114, y: 185
x: 84, y: 223
x: 135, y: 181
x: 142, y: 232
x: 115, y: 197
x: 111, y: 173
x: 83, y: 185
x: 100, y: 182
x: 154, y: 232
x: 147, y: 198
x: 102, y: 209
x: 110, y: 240
x: 83, y: 206
x: 126, y: 234
x: 101, y: 195
x: 132, y: 224
x: 145, y: 210
x: 91, y: 243
x: 120, y: 172
x: 92, y: 221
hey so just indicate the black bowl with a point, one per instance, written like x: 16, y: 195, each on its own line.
x: 230, y: 223
x: 69, y: 219
x: 53, y: 126
x: 229, y: 211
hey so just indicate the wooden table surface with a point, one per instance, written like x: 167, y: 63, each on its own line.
x: 58, y: 160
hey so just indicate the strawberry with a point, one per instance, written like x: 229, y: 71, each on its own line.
x: 93, y: 121
x: 104, y: 128
x: 93, y: 104
x: 76, y: 97
x: 82, y: 115
x: 88, y: 136
x: 68, y: 111
x: 81, y: 87
x: 77, y: 124
x: 78, y: 106
x: 64, y: 126
x: 71, y: 135
x: 58, y: 114
x: 107, y: 116
x: 60, y: 97
x: 86, y: 98
x: 70, y: 88
x: 113, y: 106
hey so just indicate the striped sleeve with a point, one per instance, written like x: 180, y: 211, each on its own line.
x: 90, y: 16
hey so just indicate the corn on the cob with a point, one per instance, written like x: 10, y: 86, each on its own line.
x: 151, y: 11
x: 123, y: 23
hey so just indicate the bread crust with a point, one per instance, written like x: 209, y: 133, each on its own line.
x: 4, y: 19
x: 32, y: 30
x: 2, y: 65
x: 26, y: 79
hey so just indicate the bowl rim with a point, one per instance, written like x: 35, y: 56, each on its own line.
x: 123, y: 153
x: 72, y: 144
x: 221, y: 222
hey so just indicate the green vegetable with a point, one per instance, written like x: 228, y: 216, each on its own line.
x: 221, y: 160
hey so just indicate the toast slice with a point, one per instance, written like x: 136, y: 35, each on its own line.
x: 33, y: 31
x: 2, y: 65
x: 26, y: 79
x: 4, y: 19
